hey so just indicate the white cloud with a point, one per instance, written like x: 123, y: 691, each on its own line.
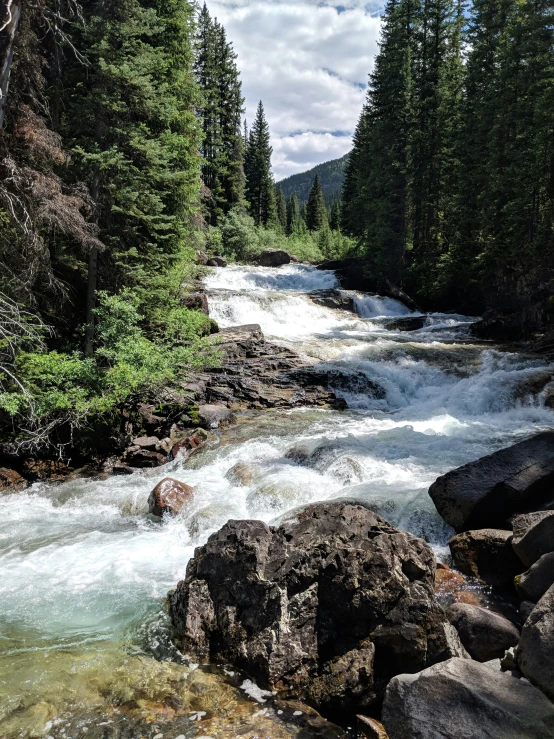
x: 308, y: 61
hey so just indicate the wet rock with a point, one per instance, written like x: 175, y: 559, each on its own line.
x: 170, y: 497
x: 333, y: 299
x: 242, y: 474
x: 214, y: 416
x: 347, y: 470
x: 533, y: 535
x: 32, y: 723
x: 535, y: 652
x: 273, y: 258
x: 534, y: 583
x: 308, y: 719
x: 202, y: 258
x: 485, y: 635
x: 185, y: 447
x: 196, y: 301
x: 371, y: 728
x: 333, y: 598
x: 216, y: 262
x: 122, y: 469
x: 464, y: 698
x: 46, y: 469
x: 486, y: 493
x: 143, y: 458
x: 294, y: 258
x: 343, y: 380
x: 406, y: 323
x: 487, y: 555
x: 11, y: 481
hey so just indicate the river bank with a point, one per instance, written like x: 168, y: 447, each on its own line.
x: 87, y: 570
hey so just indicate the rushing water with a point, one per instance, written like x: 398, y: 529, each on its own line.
x: 85, y: 570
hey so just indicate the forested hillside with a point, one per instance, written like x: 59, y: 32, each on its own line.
x: 450, y: 186
x: 331, y: 175
x: 125, y: 164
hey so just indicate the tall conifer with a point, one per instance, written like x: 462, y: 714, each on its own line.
x: 316, y: 212
x: 260, y: 190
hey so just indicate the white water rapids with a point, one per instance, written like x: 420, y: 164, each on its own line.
x: 82, y: 563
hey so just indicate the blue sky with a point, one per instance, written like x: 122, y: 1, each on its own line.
x: 309, y: 62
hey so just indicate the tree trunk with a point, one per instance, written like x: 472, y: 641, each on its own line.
x: 9, y: 22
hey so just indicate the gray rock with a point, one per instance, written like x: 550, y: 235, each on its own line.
x: 534, y: 583
x: 525, y: 609
x: 487, y: 555
x: 273, y: 258
x: 333, y: 299
x: 326, y: 607
x: 485, y: 635
x: 533, y: 535
x: 535, y: 652
x: 217, y: 262
x: 462, y: 698
x: 214, y: 416
x: 486, y: 493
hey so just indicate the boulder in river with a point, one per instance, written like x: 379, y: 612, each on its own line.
x: 170, y: 497
x: 11, y: 481
x: 217, y: 262
x: 535, y: 652
x: 406, y: 323
x: 214, y: 416
x: 487, y: 492
x: 274, y: 258
x: 462, y: 698
x: 534, y: 583
x: 487, y: 555
x: 333, y: 299
x: 326, y: 607
x: 533, y: 535
x: 485, y: 635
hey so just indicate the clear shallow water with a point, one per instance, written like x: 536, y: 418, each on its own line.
x: 84, y: 570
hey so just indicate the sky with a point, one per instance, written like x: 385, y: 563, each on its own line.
x: 308, y: 61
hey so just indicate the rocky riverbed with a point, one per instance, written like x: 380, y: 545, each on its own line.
x: 326, y: 395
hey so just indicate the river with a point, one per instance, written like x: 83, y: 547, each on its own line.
x: 83, y: 632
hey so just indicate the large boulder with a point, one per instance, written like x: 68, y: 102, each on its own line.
x: 534, y: 583
x: 487, y: 492
x: 485, y: 635
x: 217, y: 262
x: 462, y: 698
x: 533, y: 535
x: 273, y: 258
x: 487, y: 555
x: 326, y: 607
x: 170, y: 497
x: 535, y: 652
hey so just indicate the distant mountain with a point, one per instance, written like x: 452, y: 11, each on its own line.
x: 331, y: 175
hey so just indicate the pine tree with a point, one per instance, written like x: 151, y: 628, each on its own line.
x: 281, y: 210
x: 335, y: 216
x: 221, y: 113
x: 316, y: 212
x: 260, y: 190
x: 294, y: 219
x: 130, y: 120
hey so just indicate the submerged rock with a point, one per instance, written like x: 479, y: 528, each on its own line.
x: 325, y: 607
x: 535, y: 652
x: 333, y: 299
x: 485, y: 635
x: 170, y: 496
x: 406, y: 323
x: 533, y: 536
x: 485, y: 493
x: 274, y: 258
x: 464, y: 698
x: 242, y: 474
x: 487, y: 555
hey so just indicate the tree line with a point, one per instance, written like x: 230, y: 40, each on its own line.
x: 123, y: 155
x: 449, y: 189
